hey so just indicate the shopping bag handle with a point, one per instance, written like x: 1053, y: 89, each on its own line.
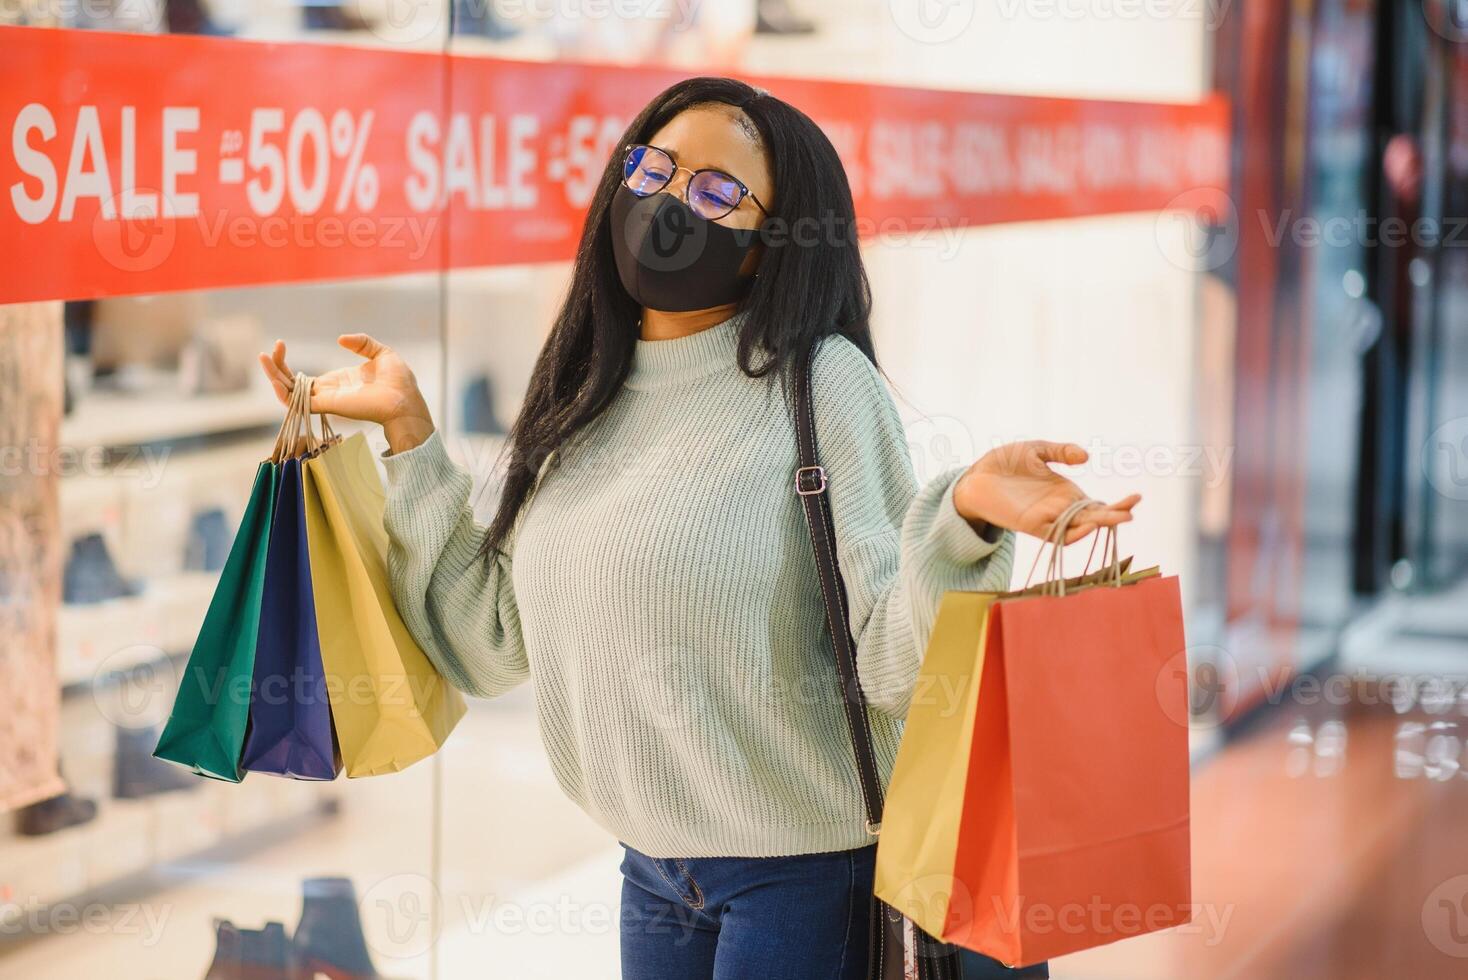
x: 1054, y: 583
x: 296, y: 437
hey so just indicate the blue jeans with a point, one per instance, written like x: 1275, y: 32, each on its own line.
x: 732, y: 918
x: 745, y: 918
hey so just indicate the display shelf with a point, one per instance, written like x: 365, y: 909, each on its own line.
x: 122, y: 633
x: 130, y: 837
x: 112, y: 419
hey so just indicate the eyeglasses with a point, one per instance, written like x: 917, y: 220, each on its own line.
x: 710, y: 194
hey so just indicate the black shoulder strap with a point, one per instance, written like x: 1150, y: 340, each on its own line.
x: 898, y: 949
x: 810, y: 484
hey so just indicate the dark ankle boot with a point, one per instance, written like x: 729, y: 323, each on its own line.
x: 226, y: 952
x: 57, y: 813
x: 90, y: 575
x: 251, y: 954
x: 209, y: 541
x: 135, y: 773
x: 329, y: 939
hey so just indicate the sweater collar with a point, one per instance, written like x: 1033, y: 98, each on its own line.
x: 656, y: 363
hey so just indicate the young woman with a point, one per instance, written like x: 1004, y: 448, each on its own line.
x: 649, y: 565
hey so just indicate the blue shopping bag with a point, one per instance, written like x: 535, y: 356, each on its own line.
x: 290, y: 731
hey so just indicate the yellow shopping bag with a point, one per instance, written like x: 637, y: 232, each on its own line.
x: 390, y: 705
x: 925, y: 797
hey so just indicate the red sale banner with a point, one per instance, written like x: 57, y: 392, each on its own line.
x: 144, y: 163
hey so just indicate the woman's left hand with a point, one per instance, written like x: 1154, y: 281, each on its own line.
x: 1014, y: 487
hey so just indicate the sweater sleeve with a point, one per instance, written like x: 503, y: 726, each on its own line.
x: 459, y: 607
x: 901, y: 546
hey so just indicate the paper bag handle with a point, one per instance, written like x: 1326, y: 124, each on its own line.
x: 1054, y: 583
x: 296, y: 437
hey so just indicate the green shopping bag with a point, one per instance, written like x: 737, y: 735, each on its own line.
x: 206, y: 729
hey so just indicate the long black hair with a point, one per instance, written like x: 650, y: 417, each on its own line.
x: 810, y: 283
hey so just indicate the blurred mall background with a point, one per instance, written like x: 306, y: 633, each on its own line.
x: 1285, y: 383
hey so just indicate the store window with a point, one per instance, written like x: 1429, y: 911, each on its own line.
x: 474, y: 131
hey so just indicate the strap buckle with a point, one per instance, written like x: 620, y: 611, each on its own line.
x: 874, y: 828
x: 804, y: 486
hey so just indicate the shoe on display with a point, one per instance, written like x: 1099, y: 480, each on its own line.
x: 479, y: 413
x: 332, y: 17
x: 329, y: 941
x: 210, y: 537
x: 191, y: 17
x: 57, y: 813
x: 776, y: 17
x: 251, y: 954
x: 91, y: 576
x: 480, y: 20
x: 77, y: 367
x: 136, y: 774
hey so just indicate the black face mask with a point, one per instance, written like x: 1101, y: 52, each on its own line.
x: 670, y: 259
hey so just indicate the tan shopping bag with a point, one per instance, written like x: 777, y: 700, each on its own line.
x: 390, y: 705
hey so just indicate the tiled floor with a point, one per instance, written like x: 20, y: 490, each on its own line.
x: 1328, y: 843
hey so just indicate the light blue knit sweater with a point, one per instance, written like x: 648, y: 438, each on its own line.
x: 661, y: 591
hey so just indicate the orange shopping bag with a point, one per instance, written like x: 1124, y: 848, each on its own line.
x: 1039, y: 802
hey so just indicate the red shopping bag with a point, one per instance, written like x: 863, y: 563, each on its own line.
x: 1041, y: 806
x: 1075, y: 822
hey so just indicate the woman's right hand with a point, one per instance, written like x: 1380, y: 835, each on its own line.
x: 381, y: 389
